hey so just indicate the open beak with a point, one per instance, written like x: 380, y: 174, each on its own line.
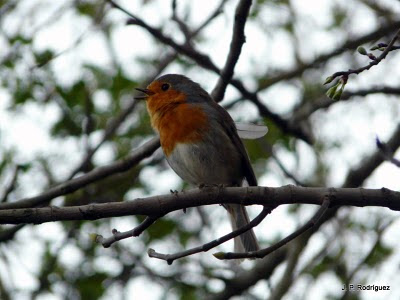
x: 145, y: 91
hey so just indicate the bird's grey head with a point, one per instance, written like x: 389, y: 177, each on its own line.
x: 183, y: 84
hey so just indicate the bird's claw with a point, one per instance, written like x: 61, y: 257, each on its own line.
x: 175, y: 192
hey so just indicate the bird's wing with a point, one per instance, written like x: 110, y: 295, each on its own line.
x: 250, y: 131
x: 229, y: 125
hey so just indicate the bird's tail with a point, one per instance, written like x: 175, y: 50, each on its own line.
x: 247, y: 241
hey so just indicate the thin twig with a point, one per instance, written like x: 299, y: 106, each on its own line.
x: 163, y: 63
x: 204, y: 61
x: 117, y: 235
x: 181, y: 24
x: 11, y: 186
x: 169, y: 258
x: 264, y: 268
x: 374, y: 62
x: 351, y: 43
x: 363, y: 261
x: 308, y: 108
x: 269, y: 151
x: 72, y: 185
x: 387, y: 152
x: 286, y: 280
x: 286, y: 171
x: 9, y: 233
x: 264, y: 252
x: 107, y: 134
x: 356, y: 176
x: 379, y: 231
x: 118, y: 121
x: 218, y: 10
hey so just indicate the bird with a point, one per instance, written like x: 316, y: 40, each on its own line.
x: 201, y: 142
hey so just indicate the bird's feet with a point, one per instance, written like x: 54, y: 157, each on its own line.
x: 212, y: 185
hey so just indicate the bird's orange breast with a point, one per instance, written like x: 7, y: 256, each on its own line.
x: 176, y: 120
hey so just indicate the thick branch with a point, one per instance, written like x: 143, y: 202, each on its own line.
x: 158, y: 205
x: 355, y: 178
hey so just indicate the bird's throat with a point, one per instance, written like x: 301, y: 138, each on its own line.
x: 178, y: 123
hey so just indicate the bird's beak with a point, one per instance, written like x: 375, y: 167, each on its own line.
x: 145, y: 91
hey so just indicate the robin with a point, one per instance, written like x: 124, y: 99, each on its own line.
x: 201, y: 142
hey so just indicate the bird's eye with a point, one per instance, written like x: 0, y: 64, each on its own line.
x: 165, y: 87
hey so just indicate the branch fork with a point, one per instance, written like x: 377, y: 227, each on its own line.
x: 118, y: 235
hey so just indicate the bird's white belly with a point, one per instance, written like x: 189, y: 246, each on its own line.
x: 202, y: 164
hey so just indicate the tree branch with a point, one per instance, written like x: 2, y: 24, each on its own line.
x: 387, y: 153
x: 110, y: 130
x: 117, y: 235
x: 357, y: 176
x: 72, y: 185
x: 374, y: 62
x: 265, y: 268
x: 262, y: 270
x: 351, y: 43
x: 158, y: 205
x: 114, y: 125
x: 286, y: 280
x: 11, y: 186
x: 238, y: 39
x: 9, y: 233
x: 309, y: 108
x: 205, y: 62
x: 264, y: 252
x: 169, y: 258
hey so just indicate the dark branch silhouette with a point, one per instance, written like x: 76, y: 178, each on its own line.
x: 72, y: 185
x: 169, y: 258
x: 264, y: 252
x: 163, y: 204
x: 237, y: 41
x: 204, y: 61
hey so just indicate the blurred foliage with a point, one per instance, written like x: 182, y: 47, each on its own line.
x: 71, y: 265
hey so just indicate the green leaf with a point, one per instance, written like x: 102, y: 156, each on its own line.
x: 92, y: 286
x: 188, y: 292
x: 66, y: 126
x: 23, y: 92
x: 87, y: 8
x: 331, y: 92
x: 380, y: 254
x: 121, y: 85
x: 75, y: 95
x: 328, y: 80
x: 19, y: 38
x: 43, y: 57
